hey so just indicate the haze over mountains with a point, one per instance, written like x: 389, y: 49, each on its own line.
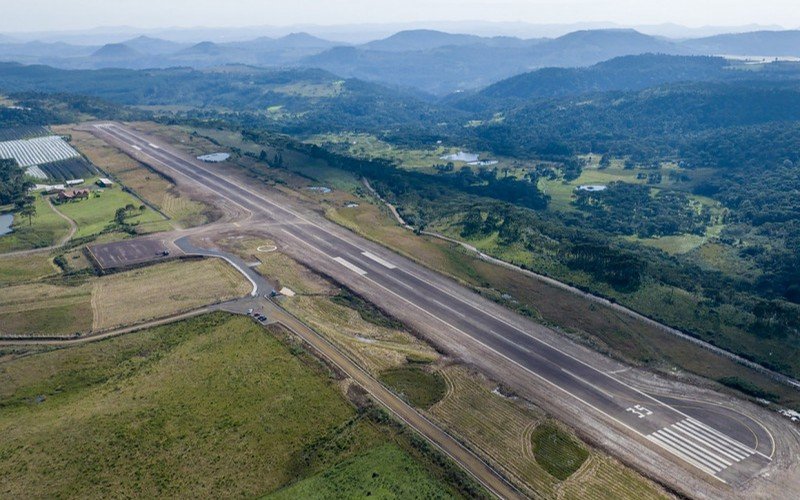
x: 432, y: 61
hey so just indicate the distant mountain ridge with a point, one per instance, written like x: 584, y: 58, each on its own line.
x: 757, y: 43
x: 624, y: 74
x: 432, y: 61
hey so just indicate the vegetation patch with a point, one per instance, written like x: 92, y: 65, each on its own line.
x: 366, y: 310
x: 748, y: 388
x: 556, y: 451
x: 419, y: 387
x: 382, y: 472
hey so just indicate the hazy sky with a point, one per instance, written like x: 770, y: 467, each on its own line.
x: 46, y: 15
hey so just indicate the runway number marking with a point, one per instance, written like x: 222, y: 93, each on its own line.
x: 640, y: 411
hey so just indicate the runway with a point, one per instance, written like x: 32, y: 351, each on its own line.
x: 723, y: 447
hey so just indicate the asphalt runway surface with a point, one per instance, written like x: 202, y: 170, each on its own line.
x: 725, y: 446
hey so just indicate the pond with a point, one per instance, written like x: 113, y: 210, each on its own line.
x: 5, y: 223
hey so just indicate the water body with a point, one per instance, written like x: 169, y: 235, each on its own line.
x: 6, y: 220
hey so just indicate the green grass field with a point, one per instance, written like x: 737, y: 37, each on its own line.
x: 97, y: 213
x: 214, y: 406
x: 21, y: 269
x: 44, y: 229
x: 385, y: 471
x: 419, y: 387
x: 556, y: 451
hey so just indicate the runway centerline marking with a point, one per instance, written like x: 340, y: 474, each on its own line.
x: 379, y: 260
x: 350, y: 266
x: 583, y: 380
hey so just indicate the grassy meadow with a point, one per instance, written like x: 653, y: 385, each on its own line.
x: 44, y: 229
x: 165, y: 413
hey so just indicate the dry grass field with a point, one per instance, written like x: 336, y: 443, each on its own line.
x: 43, y: 309
x: 21, y: 269
x: 91, y: 304
x: 164, y: 289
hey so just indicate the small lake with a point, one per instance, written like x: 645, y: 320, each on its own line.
x: 5, y: 223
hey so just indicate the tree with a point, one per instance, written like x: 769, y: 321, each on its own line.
x: 472, y: 222
x: 28, y: 210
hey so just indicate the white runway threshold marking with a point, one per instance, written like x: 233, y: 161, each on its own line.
x: 379, y: 260
x: 701, y: 445
x: 350, y: 266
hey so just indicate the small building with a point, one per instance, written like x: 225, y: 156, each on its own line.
x: 73, y: 194
x: 49, y: 189
x: 103, y: 182
x: 75, y: 182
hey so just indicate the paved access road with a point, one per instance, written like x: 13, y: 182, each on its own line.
x: 712, y: 443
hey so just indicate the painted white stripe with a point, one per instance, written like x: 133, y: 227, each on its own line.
x: 137, y: 148
x: 379, y: 260
x: 697, y: 445
x: 689, y: 451
x: 448, y: 308
x: 152, y: 145
x: 593, y: 386
x: 708, y: 430
x: 715, y: 439
x: 350, y: 266
x: 683, y: 456
x: 511, y: 342
x: 729, y: 452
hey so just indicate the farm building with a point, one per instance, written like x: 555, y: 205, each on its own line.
x: 73, y: 194
x: 103, y: 182
x: 49, y: 188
